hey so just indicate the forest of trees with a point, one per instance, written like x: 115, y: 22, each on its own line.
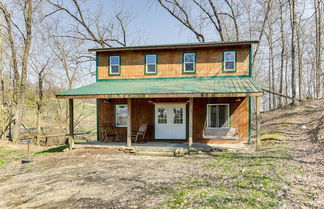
x: 43, y: 46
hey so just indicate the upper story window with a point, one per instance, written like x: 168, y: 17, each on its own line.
x: 150, y: 64
x: 114, y: 65
x: 229, y: 61
x: 189, y: 62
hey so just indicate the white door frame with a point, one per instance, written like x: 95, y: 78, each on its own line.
x: 169, y: 128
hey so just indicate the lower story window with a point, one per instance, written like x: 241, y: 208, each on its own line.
x: 218, y: 115
x: 121, y: 115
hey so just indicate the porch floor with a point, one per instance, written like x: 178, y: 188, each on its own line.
x: 160, y: 146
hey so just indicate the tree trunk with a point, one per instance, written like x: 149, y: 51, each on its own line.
x: 286, y: 79
x: 39, y: 105
x: 269, y: 78
x: 293, y: 68
x: 23, y: 82
x: 300, y: 66
x: 2, y: 109
x: 317, y: 5
x: 282, y: 54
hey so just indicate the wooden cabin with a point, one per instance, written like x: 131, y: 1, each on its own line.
x: 197, y: 92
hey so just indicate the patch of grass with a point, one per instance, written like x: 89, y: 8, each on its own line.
x: 52, y: 150
x: 273, y: 135
x: 239, y: 181
x: 10, y: 155
x: 284, y: 123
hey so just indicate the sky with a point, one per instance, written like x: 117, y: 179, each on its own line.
x: 156, y: 24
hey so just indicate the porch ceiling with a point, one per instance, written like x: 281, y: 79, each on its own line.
x: 166, y: 87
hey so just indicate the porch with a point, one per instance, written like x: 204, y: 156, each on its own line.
x: 183, y: 101
x: 160, y: 146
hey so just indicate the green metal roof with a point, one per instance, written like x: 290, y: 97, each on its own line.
x: 157, y: 86
x: 177, y: 45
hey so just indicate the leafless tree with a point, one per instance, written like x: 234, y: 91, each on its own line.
x: 282, y: 51
x: 318, y: 46
x: 92, y: 27
x: 20, y: 83
x: 293, y: 21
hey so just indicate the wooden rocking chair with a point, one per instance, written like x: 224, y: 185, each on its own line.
x: 109, y: 133
x: 140, y: 133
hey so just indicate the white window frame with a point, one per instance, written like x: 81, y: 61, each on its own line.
x: 116, y: 116
x: 146, y: 64
x: 110, y: 65
x: 234, y: 61
x: 193, y: 63
x: 228, y: 115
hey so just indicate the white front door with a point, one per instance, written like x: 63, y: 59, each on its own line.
x: 170, y: 121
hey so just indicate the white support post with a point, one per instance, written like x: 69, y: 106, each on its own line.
x: 190, y: 121
x: 129, y: 123
x: 258, y: 124
x: 71, y: 124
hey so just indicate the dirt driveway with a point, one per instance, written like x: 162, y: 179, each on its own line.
x: 93, y: 179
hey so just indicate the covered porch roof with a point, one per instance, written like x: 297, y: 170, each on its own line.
x: 166, y: 87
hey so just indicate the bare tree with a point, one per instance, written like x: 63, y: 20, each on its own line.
x: 212, y: 13
x: 20, y: 83
x: 265, y: 18
x: 282, y: 54
x: 181, y: 14
x: 12, y: 45
x: 2, y: 111
x: 89, y: 27
x: 40, y: 67
x: 292, y: 4
x: 318, y: 45
x: 300, y: 56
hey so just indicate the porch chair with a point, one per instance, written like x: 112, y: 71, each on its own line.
x: 140, y: 133
x: 109, y: 132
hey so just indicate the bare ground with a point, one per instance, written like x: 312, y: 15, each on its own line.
x: 92, y: 179
x: 112, y: 179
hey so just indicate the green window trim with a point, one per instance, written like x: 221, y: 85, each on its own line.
x: 109, y: 66
x: 228, y: 115
x: 97, y: 118
x: 115, y: 115
x: 250, y: 61
x: 97, y: 60
x: 183, y: 63
x: 156, y: 65
x: 235, y: 62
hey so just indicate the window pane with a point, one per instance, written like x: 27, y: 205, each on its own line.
x: 121, y: 121
x: 121, y: 115
x: 150, y: 59
x: 178, y: 115
x: 162, y: 116
x: 190, y: 57
x: 189, y: 67
x: 114, y: 60
x: 229, y: 56
x: 212, y: 120
x: 114, y: 69
x: 229, y: 65
x: 222, y: 116
x: 150, y: 68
